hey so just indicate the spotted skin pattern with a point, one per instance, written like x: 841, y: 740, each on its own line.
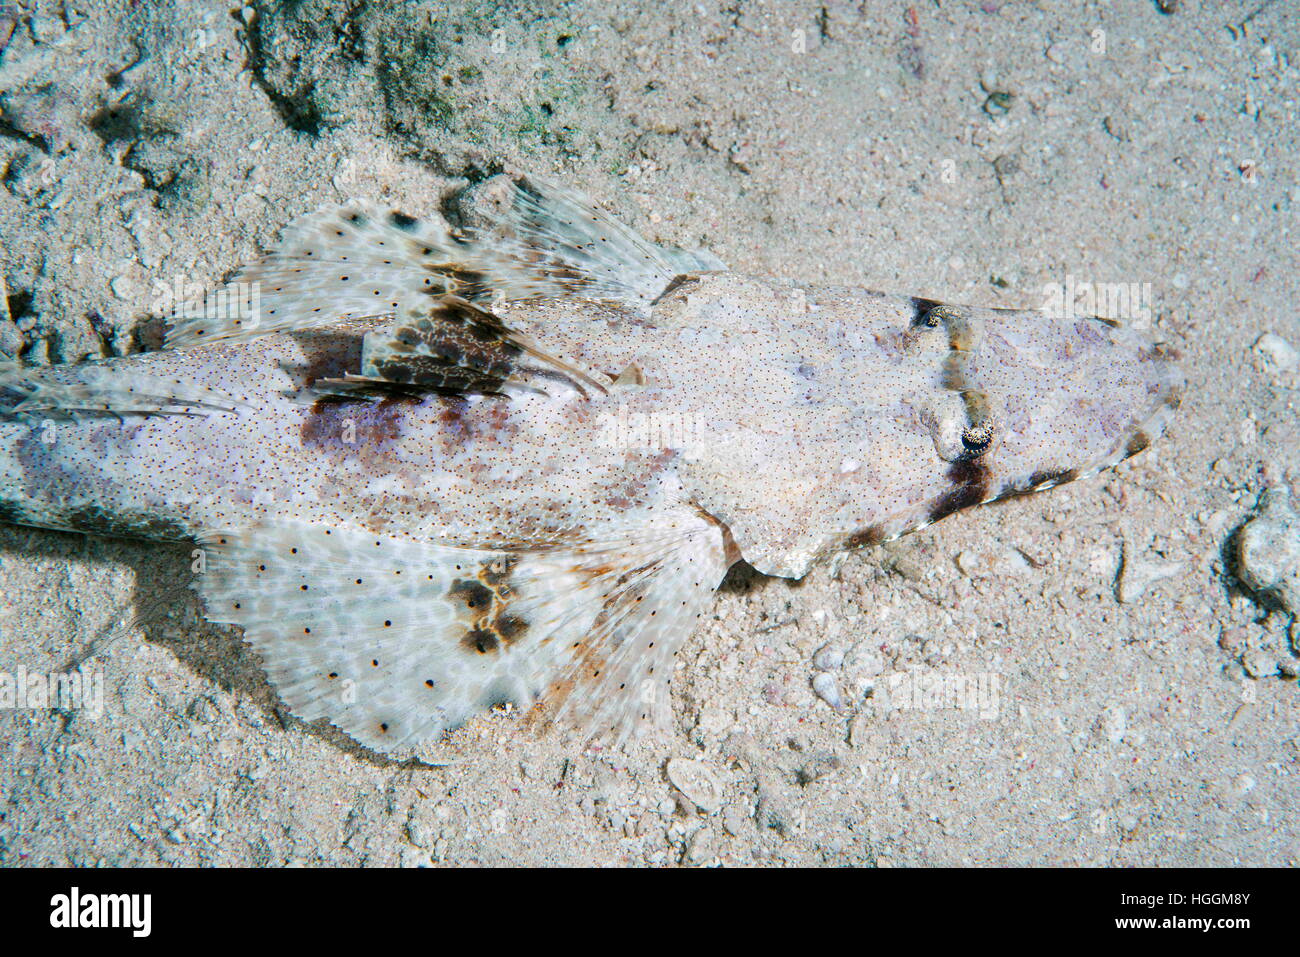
x: 446, y: 469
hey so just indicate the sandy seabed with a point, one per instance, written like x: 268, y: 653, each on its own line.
x: 1134, y: 705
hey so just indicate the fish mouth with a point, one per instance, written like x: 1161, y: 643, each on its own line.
x: 1169, y: 384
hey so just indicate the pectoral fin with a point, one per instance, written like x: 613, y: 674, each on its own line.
x: 533, y: 240
x: 395, y: 640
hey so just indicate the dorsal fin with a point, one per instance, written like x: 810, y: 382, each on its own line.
x: 451, y: 345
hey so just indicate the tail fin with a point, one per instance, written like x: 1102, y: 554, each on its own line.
x: 48, y: 482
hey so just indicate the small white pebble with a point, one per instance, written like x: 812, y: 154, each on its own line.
x: 829, y: 657
x: 970, y: 563
x: 1115, y: 724
x: 122, y: 287
x: 697, y: 783
x: 1278, y: 351
x: 826, y: 687
x: 1257, y: 664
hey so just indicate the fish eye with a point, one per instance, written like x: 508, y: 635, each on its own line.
x: 977, y: 438
x: 936, y: 316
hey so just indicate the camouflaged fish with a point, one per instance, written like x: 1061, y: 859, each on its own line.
x: 445, y: 467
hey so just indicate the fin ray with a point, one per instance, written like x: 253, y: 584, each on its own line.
x: 91, y: 390
x: 544, y: 241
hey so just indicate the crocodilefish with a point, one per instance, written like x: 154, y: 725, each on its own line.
x: 506, y: 456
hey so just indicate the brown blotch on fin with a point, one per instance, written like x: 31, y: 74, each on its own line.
x: 400, y: 220
x: 510, y: 627
x: 476, y: 595
x: 1138, y: 441
x: 480, y: 641
x: 676, y: 284
x: 470, y: 284
x: 1054, y: 476
x: 496, y: 573
x: 1038, y: 481
x: 866, y: 537
x: 632, y: 375
x: 486, y: 597
x: 970, y: 486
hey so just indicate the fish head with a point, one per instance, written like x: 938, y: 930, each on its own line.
x: 880, y: 415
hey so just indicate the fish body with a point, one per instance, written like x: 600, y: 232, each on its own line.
x: 446, y: 468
